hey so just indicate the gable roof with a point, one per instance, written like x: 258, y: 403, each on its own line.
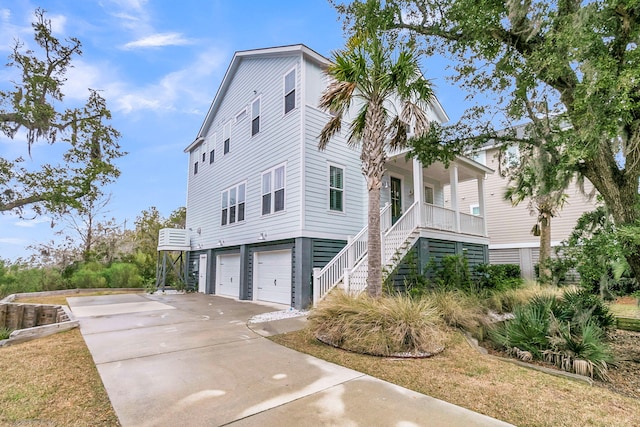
x: 238, y: 57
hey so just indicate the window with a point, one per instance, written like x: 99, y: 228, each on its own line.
x: 474, y: 210
x: 204, y: 156
x: 195, y: 168
x: 241, y: 115
x: 255, y: 117
x: 273, y: 190
x: 212, y: 156
x: 290, y: 91
x: 480, y: 157
x: 232, y: 204
x: 428, y: 194
x: 336, y: 188
x: 226, y: 135
x: 512, y: 156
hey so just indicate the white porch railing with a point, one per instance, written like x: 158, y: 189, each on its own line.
x: 350, y: 265
x: 438, y: 217
x: 356, y: 248
x: 471, y: 224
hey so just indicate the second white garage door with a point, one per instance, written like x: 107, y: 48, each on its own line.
x: 272, y: 276
x: 228, y: 280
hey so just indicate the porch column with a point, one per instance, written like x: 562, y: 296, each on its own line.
x: 481, y: 205
x: 453, y: 172
x: 418, y: 189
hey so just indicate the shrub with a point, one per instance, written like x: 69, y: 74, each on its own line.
x: 499, y: 276
x: 527, y: 331
x: 505, y: 301
x: 454, y: 273
x: 581, y: 349
x: 5, y: 332
x: 83, y: 279
x: 123, y: 275
x: 579, y: 305
x: 384, y: 326
x: 562, y: 330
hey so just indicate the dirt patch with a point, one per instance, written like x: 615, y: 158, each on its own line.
x: 625, y: 376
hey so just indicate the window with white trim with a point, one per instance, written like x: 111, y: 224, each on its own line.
x: 212, y: 143
x: 255, y: 117
x: 273, y: 186
x: 196, y: 157
x: 232, y: 204
x: 474, y: 210
x: 226, y: 137
x: 290, y: 91
x: 336, y: 188
x: 428, y: 194
x: 480, y: 157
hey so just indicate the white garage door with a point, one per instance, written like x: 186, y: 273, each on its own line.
x: 228, y: 280
x: 272, y: 277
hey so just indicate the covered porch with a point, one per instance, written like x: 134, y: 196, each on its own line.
x: 408, y: 185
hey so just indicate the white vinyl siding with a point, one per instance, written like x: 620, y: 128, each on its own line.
x: 290, y: 91
x: 319, y: 218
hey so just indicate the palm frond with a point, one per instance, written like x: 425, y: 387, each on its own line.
x: 333, y: 126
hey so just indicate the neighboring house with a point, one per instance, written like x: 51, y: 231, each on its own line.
x: 266, y: 210
x: 509, y: 227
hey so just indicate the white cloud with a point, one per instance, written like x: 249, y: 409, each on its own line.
x: 14, y: 241
x: 159, y: 40
x: 58, y: 23
x: 32, y: 223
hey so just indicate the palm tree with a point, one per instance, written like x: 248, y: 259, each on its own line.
x: 383, y: 82
x: 536, y: 177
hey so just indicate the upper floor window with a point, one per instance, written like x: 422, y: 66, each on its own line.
x: 474, y: 210
x: 336, y: 188
x: 212, y: 156
x: 232, y: 204
x: 196, y: 157
x: 255, y: 117
x: 290, y: 91
x: 226, y: 137
x: 480, y: 157
x: 273, y: 186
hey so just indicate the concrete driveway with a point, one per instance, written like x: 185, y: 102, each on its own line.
x: 191, y: 360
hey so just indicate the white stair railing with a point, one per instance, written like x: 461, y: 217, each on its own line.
x: 396, y: 242
x: 328, y: 277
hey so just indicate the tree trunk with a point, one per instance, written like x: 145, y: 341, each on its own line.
x: 545, y: 247
x: 374, y: 251
x: 373, y: 163
x: 620, y: 194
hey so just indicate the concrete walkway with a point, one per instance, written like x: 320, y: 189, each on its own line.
x: 190, y: 360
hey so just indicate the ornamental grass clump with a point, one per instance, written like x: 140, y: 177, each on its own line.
x: 395, y: 325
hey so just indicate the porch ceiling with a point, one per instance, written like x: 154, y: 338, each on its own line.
x: 437, y: 170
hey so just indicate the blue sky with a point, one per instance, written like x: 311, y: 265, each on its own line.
x: 158, y: 65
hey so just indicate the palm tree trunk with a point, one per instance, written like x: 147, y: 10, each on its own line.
x: 373, y: 163
x: 374, y: 277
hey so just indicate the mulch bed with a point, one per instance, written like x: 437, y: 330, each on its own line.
x: 625, y: 376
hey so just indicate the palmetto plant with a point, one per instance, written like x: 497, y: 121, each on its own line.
x: 381, y: 81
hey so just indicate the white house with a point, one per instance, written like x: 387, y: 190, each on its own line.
x: 269, y: 216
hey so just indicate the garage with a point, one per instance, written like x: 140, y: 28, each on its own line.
x: 272, y: 276
x: 228, y: 277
